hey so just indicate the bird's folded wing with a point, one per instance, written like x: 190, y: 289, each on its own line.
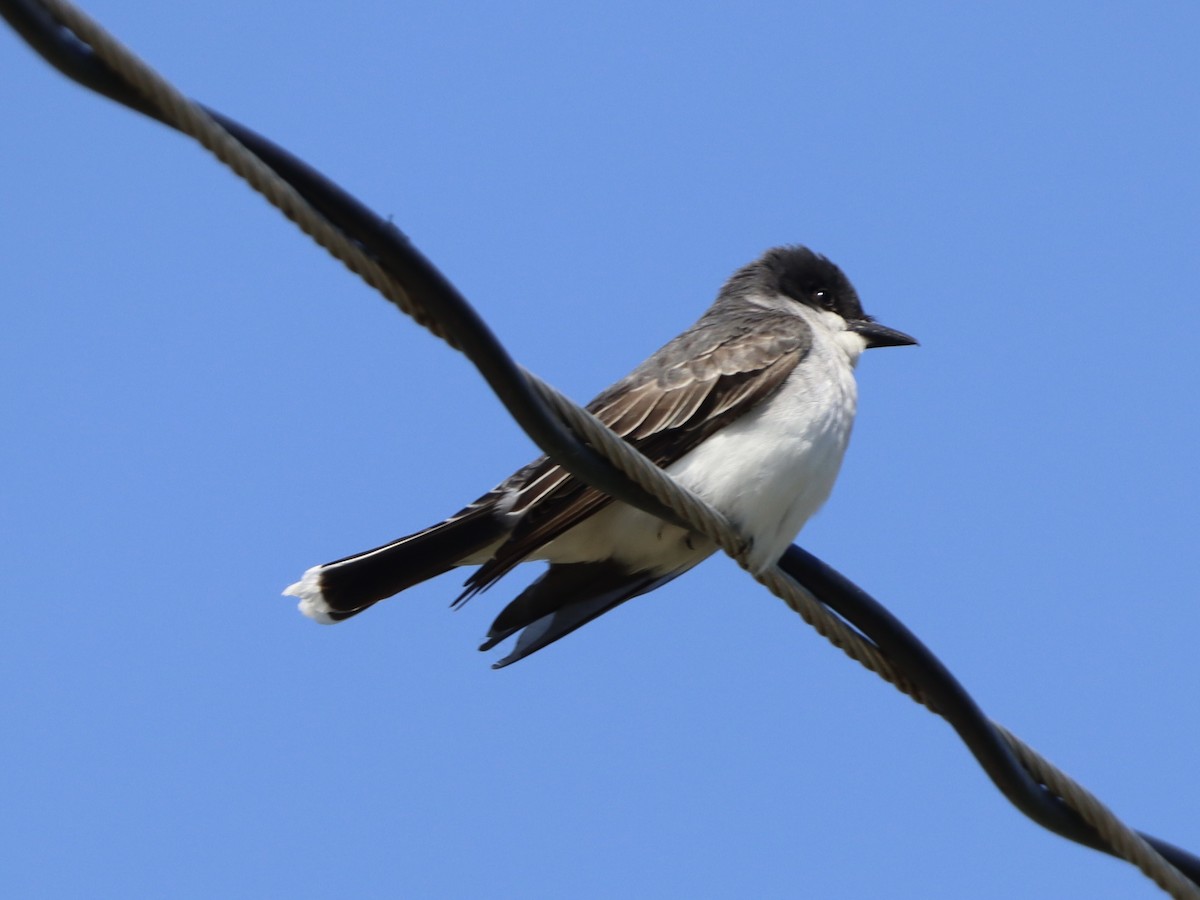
x: 691, y: 388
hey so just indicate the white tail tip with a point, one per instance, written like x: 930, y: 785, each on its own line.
x: 312, y: 600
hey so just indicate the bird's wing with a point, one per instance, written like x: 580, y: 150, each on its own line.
x: 566, y: 597
x: 694, y: 386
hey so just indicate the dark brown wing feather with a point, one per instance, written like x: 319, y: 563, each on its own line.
x: 697, y: 384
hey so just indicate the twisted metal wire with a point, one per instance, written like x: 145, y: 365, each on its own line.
x: 658, y: 492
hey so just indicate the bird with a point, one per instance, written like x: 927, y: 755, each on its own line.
x: 751, y: 408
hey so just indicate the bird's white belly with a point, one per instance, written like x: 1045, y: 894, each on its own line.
x: 768, y: 472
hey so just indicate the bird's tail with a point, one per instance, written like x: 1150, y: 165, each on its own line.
x: 345, y: 587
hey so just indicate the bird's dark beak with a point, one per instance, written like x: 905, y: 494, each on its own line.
x: 877, y: 335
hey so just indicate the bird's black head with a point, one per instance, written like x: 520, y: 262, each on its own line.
x: 809, y: 278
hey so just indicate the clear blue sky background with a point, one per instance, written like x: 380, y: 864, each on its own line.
x: 197, y: 405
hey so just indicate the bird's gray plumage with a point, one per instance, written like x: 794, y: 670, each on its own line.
x: 691, y: 388
x: 732, y: 361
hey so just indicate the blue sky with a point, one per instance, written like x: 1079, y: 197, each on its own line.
x: 198, y: 405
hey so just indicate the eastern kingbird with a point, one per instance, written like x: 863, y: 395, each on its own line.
x: 751, y: 408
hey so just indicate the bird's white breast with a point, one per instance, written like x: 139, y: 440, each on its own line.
x: 768, y: 472
x: 772, y: 469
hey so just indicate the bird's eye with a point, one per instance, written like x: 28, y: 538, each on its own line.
x: 824, y: 299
